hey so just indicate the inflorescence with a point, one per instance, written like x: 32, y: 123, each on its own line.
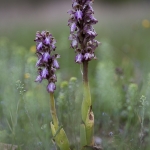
x: 82, y: 33
x: 47, y: 63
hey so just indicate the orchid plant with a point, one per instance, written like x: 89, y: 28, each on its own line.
x: 82, y: 36
x: 47, y: 65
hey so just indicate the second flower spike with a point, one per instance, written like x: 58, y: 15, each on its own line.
x: 47, y: 62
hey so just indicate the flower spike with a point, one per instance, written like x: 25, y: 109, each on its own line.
x: 81, y: 29
x: 47, y: 63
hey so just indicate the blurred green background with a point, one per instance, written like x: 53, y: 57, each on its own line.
x: 119, y: 78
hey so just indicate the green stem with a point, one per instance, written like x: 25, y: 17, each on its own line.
x: 86, y: 104
x: 86, y: 110
x: 58, y: 133
x: 53, y: 110
x: 85, y: 72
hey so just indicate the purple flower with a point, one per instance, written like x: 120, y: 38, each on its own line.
x: 53, y: 78
x: 88, y: 56
x: 39, y: 62
x: 46, y: 57
x: 47, y: 40
x: 53, y: 44
x: 74, y: 43
x: 79, y: 15
x: 91, y: 33
x: 73, y: 27
x: 55, y: 64
x: 39, y: 79
x: 79, y: 58
x: 39, y: 46
x: 92, y: 19
x: 51, y: 87
x: 44, y: 73
x: 72, y: 36
x: 75, y: 4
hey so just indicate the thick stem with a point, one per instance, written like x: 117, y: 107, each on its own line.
x: 86, y: 104
x: 87, y: 114
x: 87, y: 94
x: 53, y: 110
x: 85, y: 72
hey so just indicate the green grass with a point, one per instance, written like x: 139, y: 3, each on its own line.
x: 118, y: 104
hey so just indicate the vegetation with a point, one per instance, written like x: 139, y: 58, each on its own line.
x: 120, y: 81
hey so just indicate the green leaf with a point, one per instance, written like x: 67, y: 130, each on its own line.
x: 60, y: 138
x: 83, y: 141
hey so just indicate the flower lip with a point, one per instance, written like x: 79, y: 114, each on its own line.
x: 92, y: 33
x: 88, y: 56
x: 55, y: 64
x: 79, y: 15
x: 73, y: 27
x: 38, y: 79
x: 46, y: 57
x: 47, y: 41
x: 79, y: 58
x: 74, y: 44
x: 53, y: 44
x: 44, y: 73
x: 70, y: 12
x: 39, y: 62
x: 39, y: 46
x: 51, y: 87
